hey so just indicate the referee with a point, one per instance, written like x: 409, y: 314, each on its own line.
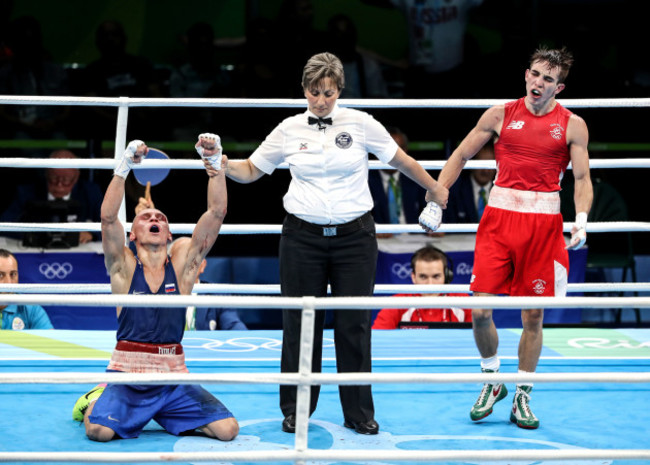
x: 328, y: 235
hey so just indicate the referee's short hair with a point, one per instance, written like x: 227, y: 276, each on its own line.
x: 321, y: 66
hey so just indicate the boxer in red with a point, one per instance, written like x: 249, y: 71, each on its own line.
x: 520, y: 247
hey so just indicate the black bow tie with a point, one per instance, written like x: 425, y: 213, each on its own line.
x: 320, y: 121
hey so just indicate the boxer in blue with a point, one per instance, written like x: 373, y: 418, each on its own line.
x: 148, y: 339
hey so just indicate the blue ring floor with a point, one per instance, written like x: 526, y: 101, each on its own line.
x: 37, y: 417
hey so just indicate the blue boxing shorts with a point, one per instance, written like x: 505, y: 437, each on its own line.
x: 126, y: 409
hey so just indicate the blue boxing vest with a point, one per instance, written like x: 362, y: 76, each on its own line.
x: 151, y: 324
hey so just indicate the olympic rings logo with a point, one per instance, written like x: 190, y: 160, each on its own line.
x: 401, y: 270
x: 55, y: 270
x: 241, y: 344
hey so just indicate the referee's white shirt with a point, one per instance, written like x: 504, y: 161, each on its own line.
x: 329, y: 167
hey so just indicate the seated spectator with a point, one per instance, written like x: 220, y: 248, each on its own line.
x: 397, y: 199
x: 6, y: 8
x: 199, y: 76
x: 206, y: 318
x: 63, y: 197
x: 117, y: 74
x: 439, y: 54
x: 469, y: 195
x: 262, y: 74
x: 363, y: 75
x: 30, y: 71
x: 429, y: 265
x: 18, y: 317
x: 298, y: 39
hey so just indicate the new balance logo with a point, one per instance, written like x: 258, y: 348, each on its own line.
x: 515, y: 125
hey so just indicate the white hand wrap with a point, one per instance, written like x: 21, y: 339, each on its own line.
x: 579, y: 231
x: 215, y: 159
x: 128, y: 159
x: 431, y: 216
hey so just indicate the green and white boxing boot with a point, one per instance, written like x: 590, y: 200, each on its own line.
x: 490, y: 395
x: 521, y: 413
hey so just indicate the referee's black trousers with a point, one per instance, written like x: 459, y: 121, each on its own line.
x: 309, y: 261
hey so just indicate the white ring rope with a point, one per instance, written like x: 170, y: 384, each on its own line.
x: 228, y: 288
x: 320, y: 378
x: 321, y: 303
x: 109, y: 163
x: 357, y: 455
x: 187, y: 228
x: 300, y: 103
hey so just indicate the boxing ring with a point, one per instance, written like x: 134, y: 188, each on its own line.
x: 591, y: 386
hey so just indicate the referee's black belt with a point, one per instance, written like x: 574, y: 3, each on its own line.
x: 329, y: 230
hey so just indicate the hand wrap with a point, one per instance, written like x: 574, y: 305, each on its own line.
x: 214, y: 154
x: 431, y: 216
x: 578, y: 232
x: 130, y: 157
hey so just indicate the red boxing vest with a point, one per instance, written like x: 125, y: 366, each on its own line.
x: 532, y: 152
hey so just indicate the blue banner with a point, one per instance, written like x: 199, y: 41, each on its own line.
x: 72, y: 268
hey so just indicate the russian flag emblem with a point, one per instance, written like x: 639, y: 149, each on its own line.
x: 170, y: 288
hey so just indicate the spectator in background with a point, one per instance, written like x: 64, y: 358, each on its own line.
x: 437, y: 47
x: 298, y: 40
x: 397, y: 199
x: 429, y: 265
x: 6, y: 8
x: 64, y: 191
x: 364, y: 78
x: 262, y: 74
x: 200, y: 76
x: 117, y: 74
x: 469, y: 195
x: 206, y: 318
x: 18, y: 317
x: 31, y: 71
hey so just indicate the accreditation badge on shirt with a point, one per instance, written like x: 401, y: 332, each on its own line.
x: 17, y: 324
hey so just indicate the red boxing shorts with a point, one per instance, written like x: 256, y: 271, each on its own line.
x: 520, y: 247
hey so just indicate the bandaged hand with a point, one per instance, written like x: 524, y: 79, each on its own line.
x: 578, y: 232
x: 133, y: 155
x: 431, y: 217
x: 209, y: 148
